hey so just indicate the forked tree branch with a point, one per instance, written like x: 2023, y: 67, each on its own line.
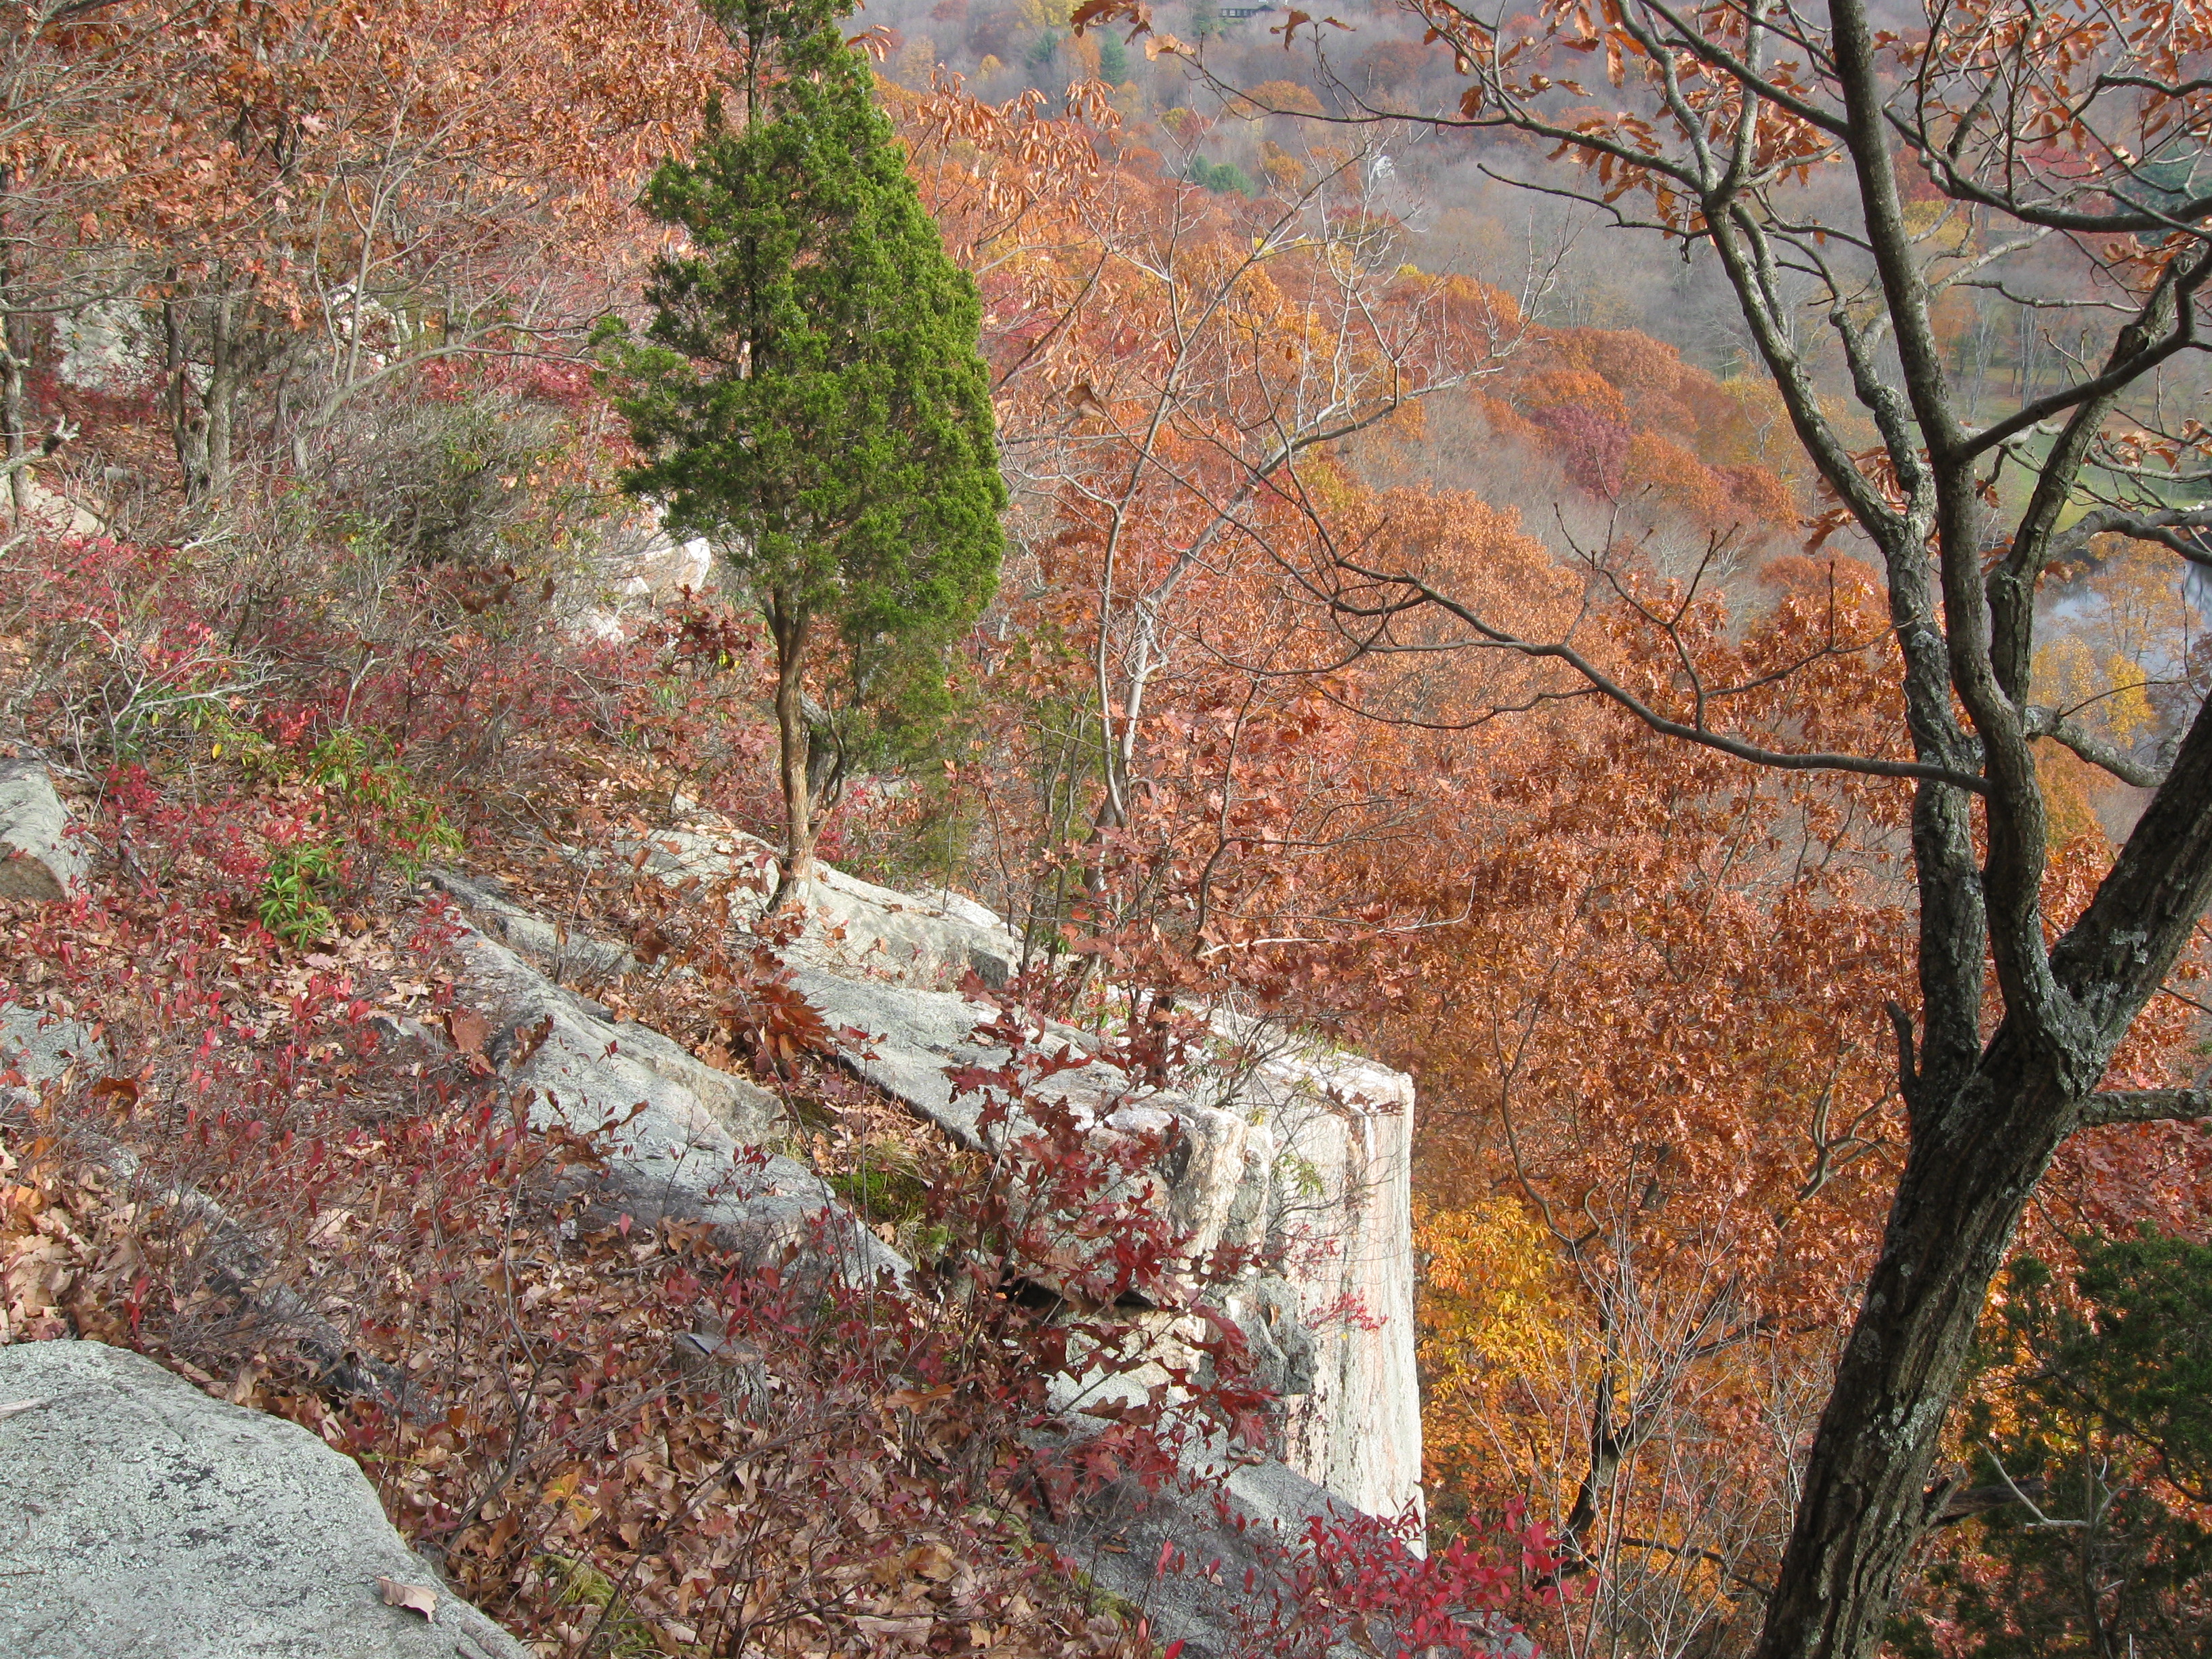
x: 1420, y: 594
x: 2041, y: 722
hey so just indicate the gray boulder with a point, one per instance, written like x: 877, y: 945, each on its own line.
x: 38, y: 859
x: 614, y: 1062
x: 935, y: 940
x: 38, y: 1047
x: 570, y: 958
x: 1344, y: 1126
x: 907, y: 1037
x: 139, y: 1516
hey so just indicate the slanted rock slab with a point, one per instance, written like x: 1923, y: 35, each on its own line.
x: 689, y: 1140
x: 36, y: 859
x: 1234, y: 1517
x: 139, y: 1516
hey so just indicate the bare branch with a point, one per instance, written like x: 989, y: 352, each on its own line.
x: 2041, y: 722
x: 2124, y: 372
x: 2146, y: 1106
x: 2184, y: 529
x: 1495, y: 638
x: 65, y: 431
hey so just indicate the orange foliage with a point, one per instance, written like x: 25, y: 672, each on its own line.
x: 1171, y: 368
x: 1550, y: 388
x: 1699, y: 448
x: 1641, y: 985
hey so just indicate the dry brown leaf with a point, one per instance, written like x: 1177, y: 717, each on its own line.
x: 528, y: 1040
x: 420, y: 1597
x: 468, y: 1029
x: 919, y: 1624
x: 911, y: 1397
x: 931, y: 1561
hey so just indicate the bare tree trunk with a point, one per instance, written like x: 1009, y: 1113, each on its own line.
x: 204, y: 420
x: 15, y: 361
x: 1986, y: 1112
x: 15, y: 352
x: 790, y: 627
x: 1867, y: 1501
x: 221, y: 400
x: 187, y: 414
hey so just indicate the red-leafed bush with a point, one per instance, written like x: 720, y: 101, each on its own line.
x: 1358, y: 1580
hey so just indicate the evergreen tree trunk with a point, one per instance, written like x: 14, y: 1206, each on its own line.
x: 794, y: 743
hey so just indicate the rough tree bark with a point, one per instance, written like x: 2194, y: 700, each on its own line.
x: 1981, y: 1134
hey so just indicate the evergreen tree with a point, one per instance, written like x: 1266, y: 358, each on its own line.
x: 810, y: 397
x: 1113, y: 60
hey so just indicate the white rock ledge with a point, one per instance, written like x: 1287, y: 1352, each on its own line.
x: 1294, y: 1144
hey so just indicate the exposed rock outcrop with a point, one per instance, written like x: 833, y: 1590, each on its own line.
x: 1181, y: 1556
x: 38, y: 859
x: 39, y: 1047
x: 139, y: 1516
x: 1280, y: 1142
x: 1307, y: 1151
x: 1287, y: 1143
x: 1343, y: 1181
x: 686, y: 1146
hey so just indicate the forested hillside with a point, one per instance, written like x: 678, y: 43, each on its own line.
x: 1669, y: 609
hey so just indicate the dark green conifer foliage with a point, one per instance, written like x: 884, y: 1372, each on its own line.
x: 811, y: 397
x: 1113, y: 60
x: 2103, y: 1444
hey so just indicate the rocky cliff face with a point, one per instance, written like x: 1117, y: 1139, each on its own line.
x: 1344, y: 1128
x: 1288, y: 1143
x: 1271, y: 1141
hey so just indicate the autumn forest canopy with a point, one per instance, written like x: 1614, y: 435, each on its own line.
x: 1645, y: 564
